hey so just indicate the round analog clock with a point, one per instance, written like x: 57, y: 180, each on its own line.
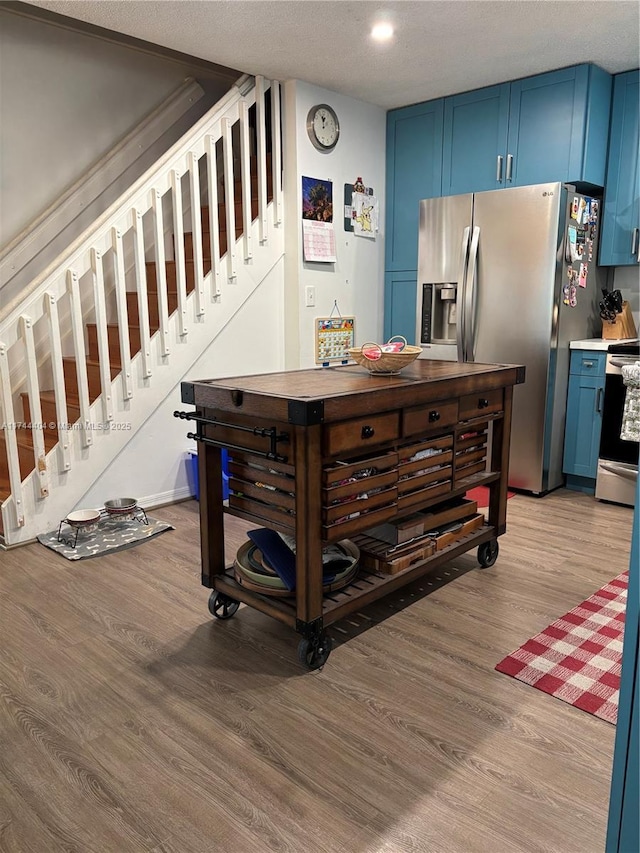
x: 323, y: 127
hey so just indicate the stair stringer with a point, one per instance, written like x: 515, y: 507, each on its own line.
x: 66, y: 488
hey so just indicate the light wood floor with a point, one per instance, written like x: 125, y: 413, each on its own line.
x: 130, y: 720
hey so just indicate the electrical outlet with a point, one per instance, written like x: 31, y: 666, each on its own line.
x: 310, y: 296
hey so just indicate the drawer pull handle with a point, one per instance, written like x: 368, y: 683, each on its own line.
x: 434, y: 416
x: 483, y: 403
x: 368, y: 432
x: 587, y: 363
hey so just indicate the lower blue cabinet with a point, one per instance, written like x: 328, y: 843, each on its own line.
x: 584, y: 419
x: 400, y: 305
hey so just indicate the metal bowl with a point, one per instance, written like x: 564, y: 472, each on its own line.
x: 83, y: 517
x: 117, y: 506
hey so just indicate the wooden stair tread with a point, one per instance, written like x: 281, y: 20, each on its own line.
x: 112, y: 326
x: 49, y: 396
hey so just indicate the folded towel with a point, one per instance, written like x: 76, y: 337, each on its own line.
x: 630, y: 430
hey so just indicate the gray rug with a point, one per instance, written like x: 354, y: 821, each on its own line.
x: 109, y: 535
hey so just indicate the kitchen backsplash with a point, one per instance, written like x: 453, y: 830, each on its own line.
x: 627, y: 280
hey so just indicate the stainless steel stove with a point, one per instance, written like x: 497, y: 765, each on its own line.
x: 618, y: 459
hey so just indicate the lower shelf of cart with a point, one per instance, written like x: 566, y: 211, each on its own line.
x: 367, y: 587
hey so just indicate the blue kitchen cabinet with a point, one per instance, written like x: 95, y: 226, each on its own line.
x: 550, y: 127
x: 414, y: 171
x: 584, y: 419
x: 475, y: 140
x: 400, y: 305
x: 620, y: 230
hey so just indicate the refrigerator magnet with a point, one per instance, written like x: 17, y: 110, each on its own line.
x: 582, y: 211
x: 573, y: 295
x: 575, y: 206
x: 573, y: 241
x: 584, y: 272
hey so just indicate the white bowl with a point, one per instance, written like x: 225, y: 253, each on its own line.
x: 82, y: 517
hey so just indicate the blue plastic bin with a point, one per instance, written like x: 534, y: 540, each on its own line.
x: 195, y: 478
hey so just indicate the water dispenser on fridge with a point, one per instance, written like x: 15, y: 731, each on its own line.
x: 438, y: 315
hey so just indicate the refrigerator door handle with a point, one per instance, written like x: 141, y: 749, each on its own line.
x: 462, y: 269
x: 470, y: 298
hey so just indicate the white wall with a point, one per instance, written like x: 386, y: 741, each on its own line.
x: 356, y: 280
x: 153, y: 466
x: 627, y: 280
x: 66, y: 98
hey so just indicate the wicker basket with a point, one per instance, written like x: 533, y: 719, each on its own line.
x: 375, y: 360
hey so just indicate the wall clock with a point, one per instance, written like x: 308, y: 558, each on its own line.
x: 323, y: 127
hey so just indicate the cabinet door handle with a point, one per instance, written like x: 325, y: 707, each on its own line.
x: 599, y: 400
x: 499, y: 168
x: 367, y: 432
x: 434, y: 416
x: 634, y: 241
x: 483, y: 403
x: 509, y: 166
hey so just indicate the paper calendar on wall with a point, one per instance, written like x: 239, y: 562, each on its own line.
x: 334, y: 336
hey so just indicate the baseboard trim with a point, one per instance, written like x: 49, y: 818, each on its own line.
x: 165, y: 498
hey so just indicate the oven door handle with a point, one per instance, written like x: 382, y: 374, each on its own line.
x: 622, y: 361
x: 629, y: 472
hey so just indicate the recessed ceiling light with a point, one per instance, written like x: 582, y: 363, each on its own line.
x: 382, y: 32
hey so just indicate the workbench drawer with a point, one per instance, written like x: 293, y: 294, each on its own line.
x: 435, y: 416
x: 361, y: 518
x: 418, y: 472
x: 262, y: 487
x: 360, y: 433
x: 471, y: 452
x: 482, y: 403
x: 412, y: 501
x: 356, y: 487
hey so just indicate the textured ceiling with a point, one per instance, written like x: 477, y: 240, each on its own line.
x: 439, y: 47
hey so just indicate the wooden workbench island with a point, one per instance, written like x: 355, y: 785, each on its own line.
x: 293, y: 437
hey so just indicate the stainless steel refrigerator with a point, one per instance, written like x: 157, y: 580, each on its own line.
x: 509, y: 276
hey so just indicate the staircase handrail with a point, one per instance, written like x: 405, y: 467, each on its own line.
x: 10, y: 313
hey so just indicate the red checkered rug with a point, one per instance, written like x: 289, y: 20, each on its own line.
x: 578, y: 657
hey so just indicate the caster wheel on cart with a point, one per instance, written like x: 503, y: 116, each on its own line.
x: 221, y: 606
x: 488, y: 553
x: 314, y: 653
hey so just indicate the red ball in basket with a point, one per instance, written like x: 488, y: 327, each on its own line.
x: 385, y: 358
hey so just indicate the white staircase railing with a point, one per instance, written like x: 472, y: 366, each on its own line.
x: 131, y: 269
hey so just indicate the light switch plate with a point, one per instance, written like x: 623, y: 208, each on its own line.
x: 310, y: 296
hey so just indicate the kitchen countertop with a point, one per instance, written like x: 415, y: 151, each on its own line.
x: 598, y: 343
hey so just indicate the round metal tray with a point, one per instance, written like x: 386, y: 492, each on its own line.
x: 265, y: 581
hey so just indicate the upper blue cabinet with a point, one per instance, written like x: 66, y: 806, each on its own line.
x: 551, y: 127
x: 414, y: 171
x: 476, y: 126
x: 620, y: 232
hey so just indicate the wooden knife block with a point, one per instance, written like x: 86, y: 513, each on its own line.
x: 622, y: 327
